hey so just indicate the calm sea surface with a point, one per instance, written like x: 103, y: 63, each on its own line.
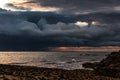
x: 62, y: 60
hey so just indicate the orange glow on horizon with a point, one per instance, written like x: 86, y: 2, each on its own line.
x: 87, y: 49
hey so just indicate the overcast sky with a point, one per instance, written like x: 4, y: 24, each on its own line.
x: 40, y: 24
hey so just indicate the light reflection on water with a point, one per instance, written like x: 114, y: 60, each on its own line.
x: 64, y: 60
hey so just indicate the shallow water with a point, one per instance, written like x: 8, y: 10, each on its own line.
x: 62, y: 60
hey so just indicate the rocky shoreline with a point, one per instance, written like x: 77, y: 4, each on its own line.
x: 109, y: 66
x: 107, y: 69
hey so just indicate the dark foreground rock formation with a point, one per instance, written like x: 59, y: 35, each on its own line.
x: 109, y: 66
x: 12, y: 72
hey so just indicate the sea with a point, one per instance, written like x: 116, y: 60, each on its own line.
x: 61, y: 60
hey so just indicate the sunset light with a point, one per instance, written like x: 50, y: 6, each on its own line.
x: 20, y: 4
x: 3, y: 2
x: 81, y: 24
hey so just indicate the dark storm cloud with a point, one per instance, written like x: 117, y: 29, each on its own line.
x: 39, y: 30
x: 79, y: 5
x: 2, y: 10
x: 16, y: 7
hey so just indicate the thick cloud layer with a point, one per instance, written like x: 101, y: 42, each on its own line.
x: 79, y: 6
x: 40, y: 30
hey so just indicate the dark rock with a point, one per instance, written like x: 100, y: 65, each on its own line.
x: 106, y: 71
x: 110, y: 66
x: 90, y: 65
